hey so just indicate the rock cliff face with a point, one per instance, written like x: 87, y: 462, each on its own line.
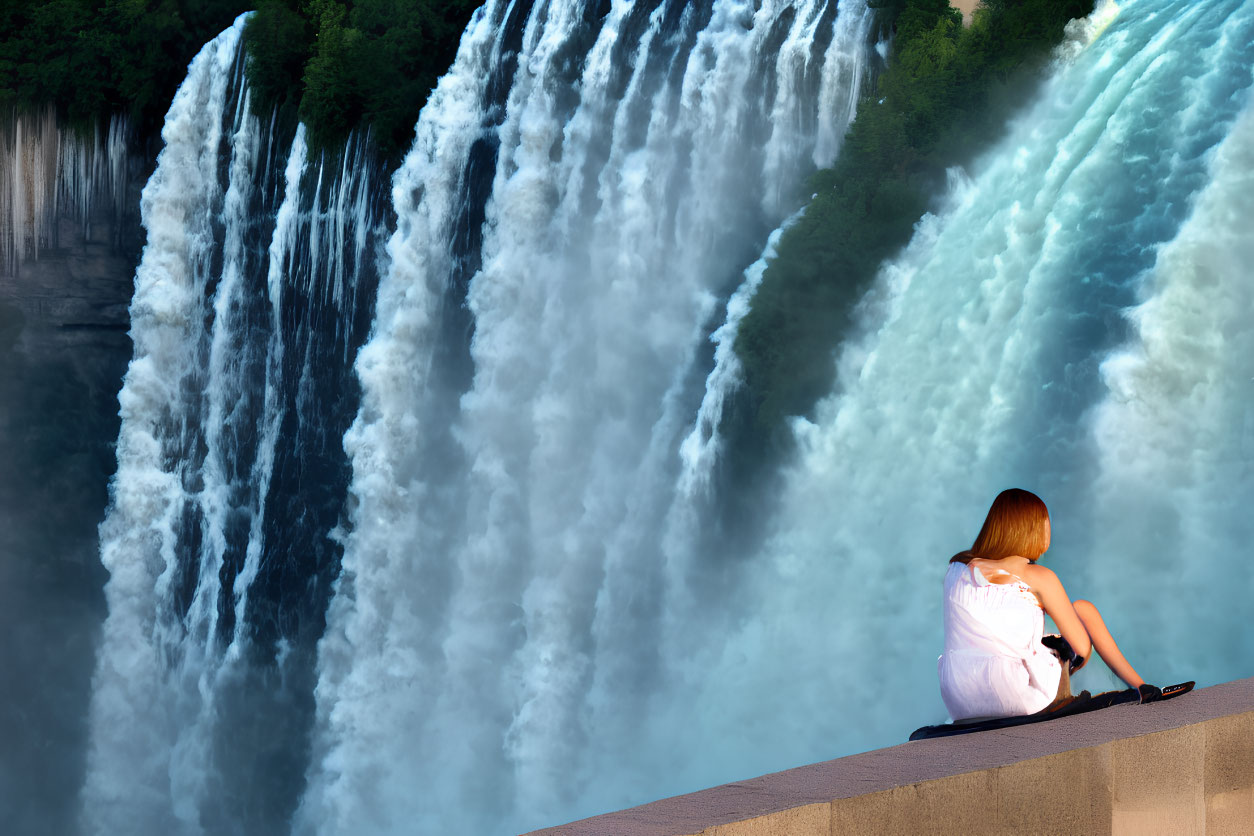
x: 66, y: 270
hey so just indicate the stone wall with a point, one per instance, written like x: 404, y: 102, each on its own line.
x: 1185, y: 766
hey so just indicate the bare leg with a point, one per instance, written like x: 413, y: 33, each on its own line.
x: 1105, y: 645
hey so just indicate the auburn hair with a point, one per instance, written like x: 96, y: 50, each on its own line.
x: 1017, y: 524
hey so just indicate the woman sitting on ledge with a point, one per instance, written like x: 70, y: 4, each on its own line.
x: 996, y: 598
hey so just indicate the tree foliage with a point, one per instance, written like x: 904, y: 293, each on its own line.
x: 94, y: 58
x: 945, y: 93
x: 337, y: 64
x: 348, y: 64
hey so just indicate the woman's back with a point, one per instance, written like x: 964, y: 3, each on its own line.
x: 996, y: 597
x: 994, y: 664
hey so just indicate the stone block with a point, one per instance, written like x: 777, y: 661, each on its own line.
x: 811, y: 820
x: 1157, y: 783
x: 1229, y: 775
x: 1065, y: 793
x: 960, y: 804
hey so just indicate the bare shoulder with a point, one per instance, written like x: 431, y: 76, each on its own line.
x: 1040, y: 577
x: 1039, y: 571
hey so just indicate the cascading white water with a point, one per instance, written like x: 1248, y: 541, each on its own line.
x: 237, y: 378
x: 488, y: 642
x: 519, y: 634
x: 366, y: 676
x: 1175, y: 437
x: 147, y: 688
x: 703, y: 446
x: 977, y: 368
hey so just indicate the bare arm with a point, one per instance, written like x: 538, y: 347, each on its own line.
x: 1080, y: 623
x: 1059, y: 607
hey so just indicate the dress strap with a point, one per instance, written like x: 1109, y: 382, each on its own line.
x: 980, y: 579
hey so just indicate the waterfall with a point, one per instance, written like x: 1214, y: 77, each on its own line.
x: 496, y: 636
x: 1002, y: 348
x: 251, y: 297
x: 1174, y: 436
x: 147, y: 673
x: 408, y: 528
x: 703, y: 446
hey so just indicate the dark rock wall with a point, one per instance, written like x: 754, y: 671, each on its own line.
x: 63, y: 351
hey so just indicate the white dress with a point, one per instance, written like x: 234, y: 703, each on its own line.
x: 994, y: 664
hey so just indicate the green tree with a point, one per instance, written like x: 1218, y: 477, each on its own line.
x: 279, y: 43
x: 94, y: 58
x: 332, y: 103
x: 353, y: 64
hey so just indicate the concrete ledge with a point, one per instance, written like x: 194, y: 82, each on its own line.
x: 1178, y: 767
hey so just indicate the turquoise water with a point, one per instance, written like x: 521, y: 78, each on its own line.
x: 1076, y: 322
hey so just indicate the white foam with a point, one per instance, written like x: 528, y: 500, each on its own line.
x: 145, y: 687
x: 1174, y: 437
x: 494, y: 614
